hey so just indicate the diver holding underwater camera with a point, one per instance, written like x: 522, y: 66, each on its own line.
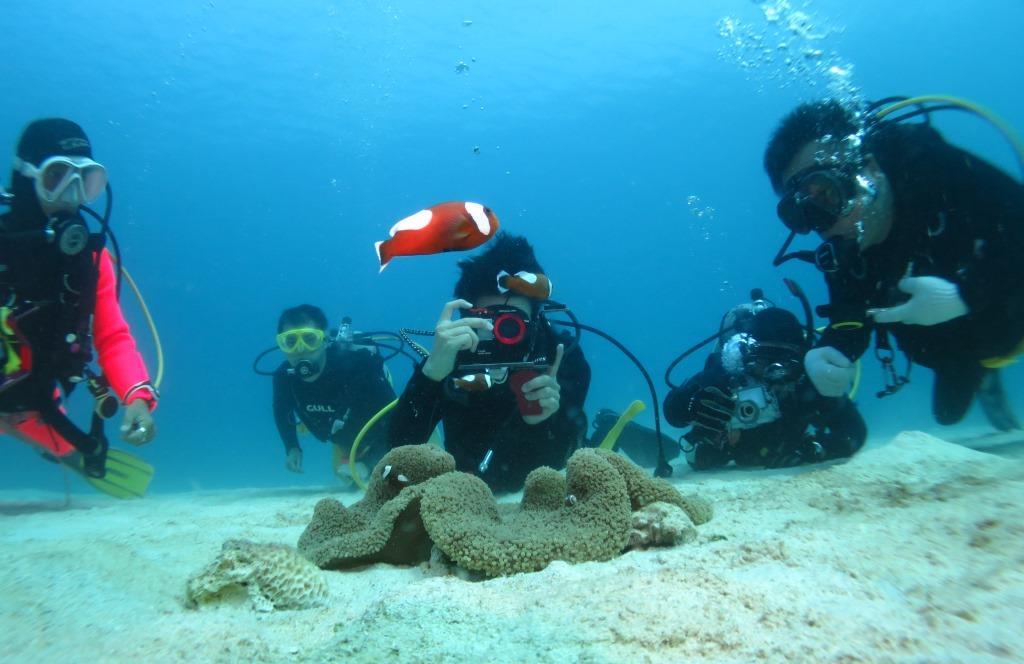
x: 752, y: 404
x: 508, y: 388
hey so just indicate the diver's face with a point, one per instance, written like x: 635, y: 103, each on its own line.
x: 867, y: 218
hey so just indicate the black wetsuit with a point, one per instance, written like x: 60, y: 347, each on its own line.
x: 352, y: 388
x: 477, y: 422
x: 955, y: 217
x: 834, y: 423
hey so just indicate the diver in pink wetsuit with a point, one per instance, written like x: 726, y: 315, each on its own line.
x: 59, y: 304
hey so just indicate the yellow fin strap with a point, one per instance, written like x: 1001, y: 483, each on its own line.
x: 13, y: 363
x: 1005, y: 360
x: 613, y: 434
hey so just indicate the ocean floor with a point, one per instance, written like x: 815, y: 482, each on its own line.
x: 912, y: 551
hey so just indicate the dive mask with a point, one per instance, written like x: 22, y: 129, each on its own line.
x: 766, y: 362
x: 816, y: 198
x: 773, y: 363
x: 301, y: 339
x: 66, y: 181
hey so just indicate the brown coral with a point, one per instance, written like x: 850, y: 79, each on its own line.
x: 584, y: 515
x: 384, y: 526
x: 644, y: 490
x: 275, y: 576
x: 461, y: 516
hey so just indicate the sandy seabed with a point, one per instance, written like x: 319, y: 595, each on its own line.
x: 911, y: 552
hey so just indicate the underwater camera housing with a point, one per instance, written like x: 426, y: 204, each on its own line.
x: 509, y: 345
x: 755, y: 406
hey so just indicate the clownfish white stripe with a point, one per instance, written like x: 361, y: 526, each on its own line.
x: 413, y: 222
x: 501, y: 281
x: 476, y: 211
x: 528, y: 277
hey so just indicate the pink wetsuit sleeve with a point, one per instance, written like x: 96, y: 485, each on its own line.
x: 118, y: 356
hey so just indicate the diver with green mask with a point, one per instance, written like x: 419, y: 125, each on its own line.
x: 753, y: 404
x: 922, y: 241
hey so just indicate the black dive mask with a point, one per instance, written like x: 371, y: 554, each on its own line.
x: 766, y: 362
x: 773, y: 363
x: 816, y: 198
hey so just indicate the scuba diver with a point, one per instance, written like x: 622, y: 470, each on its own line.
x: 59, y: 304
x: 507, y: 387
x: 923, y: 241
x: 331, y: 386
x: 752, y: 404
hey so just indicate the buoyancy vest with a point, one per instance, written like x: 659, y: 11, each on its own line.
x: 47, y: 300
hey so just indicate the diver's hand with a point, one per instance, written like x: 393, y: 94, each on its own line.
x: 137, y: 425
x: 451, y: 336
x: 294, y: 460
x: 545, y: 390
x: 830, y: 371
x: 932, y: 301
x: 711, y: 408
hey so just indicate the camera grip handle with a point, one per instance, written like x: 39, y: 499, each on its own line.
x: 516, y: 381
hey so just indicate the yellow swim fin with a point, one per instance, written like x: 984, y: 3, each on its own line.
x: 127, y: 476
x: 613, y: 434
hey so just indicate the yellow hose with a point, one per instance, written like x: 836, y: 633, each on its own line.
x: 981, y: 111
x: 613, y: 434
x: 359, y: 439
x: 152, y: 327
x: 856, y: 383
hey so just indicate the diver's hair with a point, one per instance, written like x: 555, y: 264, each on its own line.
x: 807, y: 122
x: 302, y: 314
x: 511, y: 253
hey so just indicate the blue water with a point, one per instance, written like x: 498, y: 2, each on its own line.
x: 257, y: 149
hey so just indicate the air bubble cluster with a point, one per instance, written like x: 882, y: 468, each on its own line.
x: 790, y: 48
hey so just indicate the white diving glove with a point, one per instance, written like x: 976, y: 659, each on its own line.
x: 830, y: 371
x: 932, y: 301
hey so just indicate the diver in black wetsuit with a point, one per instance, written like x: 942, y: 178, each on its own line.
x: 753, y: 404
x: 331, y: 388
x: 500, y: 424
x: 923, y: 241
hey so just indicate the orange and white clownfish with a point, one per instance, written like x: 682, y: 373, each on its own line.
x: 452, y: 226
x: 480, y: 382
x: 534, y: 285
